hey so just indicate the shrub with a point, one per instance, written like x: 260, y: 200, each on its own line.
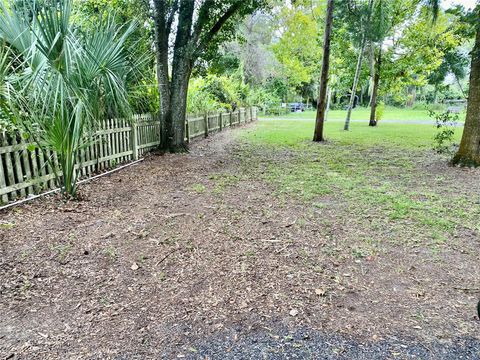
x: 443, y: 140
x: 199, y: 99
x: 379, y: 111
x: 66, y: 82
x: 221, y: 92
x: 436, y: 107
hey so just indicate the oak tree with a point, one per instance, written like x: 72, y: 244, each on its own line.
x: 185, y: 31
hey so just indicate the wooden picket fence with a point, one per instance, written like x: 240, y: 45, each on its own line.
x: 25, y: 171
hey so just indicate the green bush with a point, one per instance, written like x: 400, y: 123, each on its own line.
x: 199, y: 100
x: 262, y: 98
x: 380, y: 111
x: 443, y: 139
x: 422, y: 105
x: 436, y: 107
x: 221, y: 92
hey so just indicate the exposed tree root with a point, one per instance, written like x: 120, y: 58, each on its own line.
x: 466, y: 160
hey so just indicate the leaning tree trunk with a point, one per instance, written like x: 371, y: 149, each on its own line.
x: 358, y: 69
x: 322, y: 99
x: 469, y: 152
x: 376, y: 83
x: 355, y: 84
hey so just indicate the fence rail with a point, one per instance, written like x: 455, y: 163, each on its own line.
x: 25, y: 171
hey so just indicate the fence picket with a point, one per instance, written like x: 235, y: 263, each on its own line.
x: 26, y: 165
x: 50, y: 170
x: 24, y: 172
x: 9, y: 168
x: 18, y: 166
x: 3, y: 182
x: 42, y: 170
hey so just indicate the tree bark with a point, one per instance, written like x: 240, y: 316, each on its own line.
x: 376, y: 83
x: 176, y: 133
x: 469, y: 152
x: 322, y: 99
x: 162, y: 28
x: 183, y: 59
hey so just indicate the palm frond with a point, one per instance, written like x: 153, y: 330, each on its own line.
x: 65, y: 83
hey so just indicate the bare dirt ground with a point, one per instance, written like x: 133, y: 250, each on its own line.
x: 161, y: 256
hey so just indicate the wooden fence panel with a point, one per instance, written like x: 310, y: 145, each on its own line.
x: 196, y: 125
x: 149, y: 133
x: 25, y: 171
x: 213, y: 122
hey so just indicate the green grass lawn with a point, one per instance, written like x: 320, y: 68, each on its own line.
x: 299, y: 133
x: 379, y: 171
x: 374, y: 196
x: 361, y: 113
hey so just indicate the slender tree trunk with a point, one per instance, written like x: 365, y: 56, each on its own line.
x: 469, y: 152
x: 376, y: 83
x: 358, y: 69
x: 329, y: 100
x: 321, y: 106
x: 411, y: 96
x: 354, y: 87
x: 460, y: 86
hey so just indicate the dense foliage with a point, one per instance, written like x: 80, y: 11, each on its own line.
x: 58, y: 82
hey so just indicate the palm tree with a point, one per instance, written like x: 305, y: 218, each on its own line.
x: 62, y: 82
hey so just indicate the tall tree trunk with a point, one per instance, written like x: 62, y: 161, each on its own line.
x: 161, y: 53
x: 354, y: 87
x: 182, y: 63
x: 176, y: 131
x: 321, y: 106
x: 358, y: 68
x: 376, y: 83
x: 469, y: 152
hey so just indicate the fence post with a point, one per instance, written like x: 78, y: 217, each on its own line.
x: 134, y: 139
x: 205, y: 121
x: 230, y: 116
x: 3, y: 182
x: 220, y: 120
x: 187, y: 129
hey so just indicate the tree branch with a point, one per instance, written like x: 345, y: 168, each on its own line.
x: 171, y: 16
x: 218, y: 25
